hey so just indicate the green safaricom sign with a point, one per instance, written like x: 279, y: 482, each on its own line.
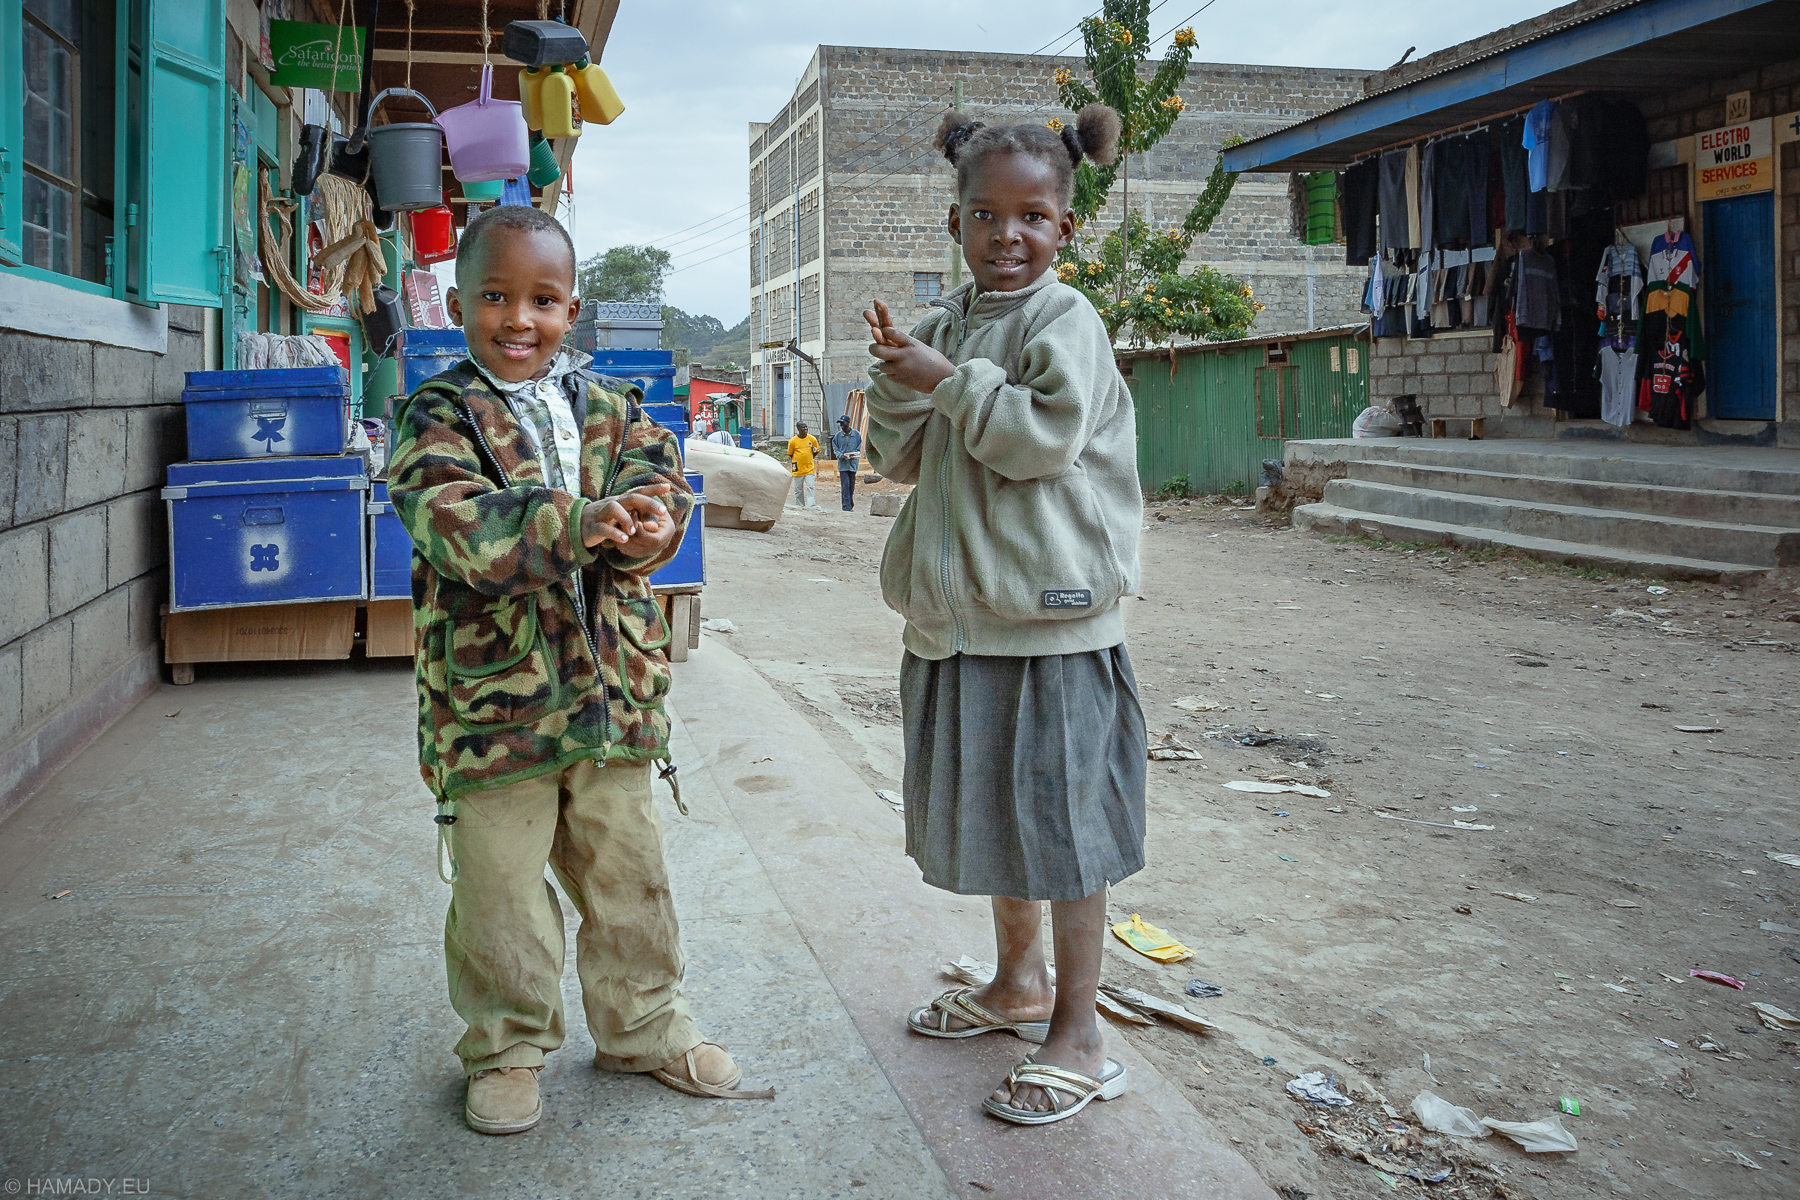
x: 316, y: 56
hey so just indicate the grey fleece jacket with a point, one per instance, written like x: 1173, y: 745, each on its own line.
x: 1021, y: 535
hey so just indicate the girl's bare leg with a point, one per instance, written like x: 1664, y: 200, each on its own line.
x: 1074, y: 1043
x: 1021, y: 988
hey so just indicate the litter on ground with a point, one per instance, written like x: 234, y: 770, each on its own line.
x: 1196, y: 704
x: 1776, y: 1018
x: 1716, y: 977
x: 1169, y: 748
x: 1267, y: 788
x: 1150, y: 941
x: 1314, y: 1086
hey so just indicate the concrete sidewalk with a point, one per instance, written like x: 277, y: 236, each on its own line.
x: 243, y: 990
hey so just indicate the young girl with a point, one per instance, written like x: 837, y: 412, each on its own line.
x: 1025, y: 752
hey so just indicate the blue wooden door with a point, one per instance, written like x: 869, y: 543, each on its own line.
x: 783, y: 408
x: 1740, y: 308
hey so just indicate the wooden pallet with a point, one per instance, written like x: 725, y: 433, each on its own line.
x: 321, y: 630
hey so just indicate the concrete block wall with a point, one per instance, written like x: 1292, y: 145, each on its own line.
x: 888, y: 192
x: 1453, y: 375
x: 87, y: 431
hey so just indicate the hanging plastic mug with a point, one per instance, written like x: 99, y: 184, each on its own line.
x: 544, y: 168
x: 486, y: 192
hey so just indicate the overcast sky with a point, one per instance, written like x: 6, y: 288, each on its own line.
x: 674, y: 169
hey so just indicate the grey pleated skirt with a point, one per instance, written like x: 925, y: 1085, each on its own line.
x: 1024, y: 776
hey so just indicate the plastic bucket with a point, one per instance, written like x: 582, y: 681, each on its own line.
x: 486, y: 192
x: 487, y: 138
x: 434, y: 235
x: 406, y: 159
x: 544, y: 168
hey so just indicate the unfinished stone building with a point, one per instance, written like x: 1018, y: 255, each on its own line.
x: 848, y: 201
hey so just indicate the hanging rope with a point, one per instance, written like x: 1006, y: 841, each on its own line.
x: 486, y: 35
x: 409, y: 27
x: 344, y: 209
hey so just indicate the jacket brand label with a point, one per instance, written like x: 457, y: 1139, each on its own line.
x: 1081, y: 598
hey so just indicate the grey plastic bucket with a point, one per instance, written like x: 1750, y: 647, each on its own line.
x: 406, y: 159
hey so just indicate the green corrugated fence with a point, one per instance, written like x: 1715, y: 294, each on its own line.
x: 1225, y: 409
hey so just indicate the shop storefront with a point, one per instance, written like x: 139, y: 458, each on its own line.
x: 1584, y: 225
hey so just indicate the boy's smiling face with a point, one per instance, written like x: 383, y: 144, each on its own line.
x: 516, y: 301
x: 1012, y: 222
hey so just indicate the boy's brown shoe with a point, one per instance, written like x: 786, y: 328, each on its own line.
x: 503, y: 1100
x: 709, y: 1071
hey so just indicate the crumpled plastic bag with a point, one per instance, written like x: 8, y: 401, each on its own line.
x: 1535, y: 1137
x: 1440, y: 1116
x: 1375, y: 421
x: 1314, y: 1086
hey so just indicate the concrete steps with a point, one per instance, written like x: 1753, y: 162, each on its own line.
x: 1328, y: 518
x: 1676, y: 512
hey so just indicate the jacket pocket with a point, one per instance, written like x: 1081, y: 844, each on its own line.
x: 499, y: 667
x: 643, y: 661
x: 1048, y: 554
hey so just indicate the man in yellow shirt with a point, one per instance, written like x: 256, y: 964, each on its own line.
x: 803, y: 451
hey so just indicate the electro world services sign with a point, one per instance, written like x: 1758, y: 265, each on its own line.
x: 1735, y: 160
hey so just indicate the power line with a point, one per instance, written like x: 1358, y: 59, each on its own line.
x: 704, y: 261
x: 716, y: 241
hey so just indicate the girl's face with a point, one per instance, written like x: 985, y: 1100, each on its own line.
x: 1012, y: 221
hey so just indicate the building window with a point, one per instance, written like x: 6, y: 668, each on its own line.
x: 927, y: 285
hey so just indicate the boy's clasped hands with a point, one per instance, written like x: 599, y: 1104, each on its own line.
x: 635, y: 523
x: 904, y: 359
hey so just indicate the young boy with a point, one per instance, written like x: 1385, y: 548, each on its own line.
x: 539, y: 498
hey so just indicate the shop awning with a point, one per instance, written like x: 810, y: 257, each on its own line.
x: 1631, y: 46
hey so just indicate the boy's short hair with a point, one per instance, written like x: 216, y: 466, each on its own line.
x: 523, y: 217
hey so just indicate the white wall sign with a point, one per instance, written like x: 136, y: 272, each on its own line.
x: 1734, y: 160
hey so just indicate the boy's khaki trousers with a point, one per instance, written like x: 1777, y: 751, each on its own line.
x: 598, y: 830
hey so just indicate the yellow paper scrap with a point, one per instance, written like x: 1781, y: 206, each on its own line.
x: 1150, y: 941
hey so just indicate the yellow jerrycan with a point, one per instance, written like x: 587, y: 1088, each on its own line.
x: 599, y: 102
x: 556, y: 101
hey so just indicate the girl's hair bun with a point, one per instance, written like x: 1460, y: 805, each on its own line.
x: 955, y: 130
x: 1097, y: 131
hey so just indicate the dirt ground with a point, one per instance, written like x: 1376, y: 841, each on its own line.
x: 1363, y: 934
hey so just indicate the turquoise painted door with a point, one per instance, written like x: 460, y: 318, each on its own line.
x: 185, y: 248
x: 1740, y: 308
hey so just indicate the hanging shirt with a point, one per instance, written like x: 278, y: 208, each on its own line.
x: 1546, y: 136
x: 1618, y: 384
x: 1670, y: 386
x: 1537, y: 305
x: 1618, y: 282
x: 1673, y: 262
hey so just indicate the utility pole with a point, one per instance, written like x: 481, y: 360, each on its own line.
x: 956, y: 258
x: 793, y: 153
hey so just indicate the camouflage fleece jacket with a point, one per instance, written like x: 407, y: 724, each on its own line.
x: 532, y: 651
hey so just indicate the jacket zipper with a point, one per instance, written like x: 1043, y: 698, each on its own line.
x: 944, y: 514
x: 579, y: 596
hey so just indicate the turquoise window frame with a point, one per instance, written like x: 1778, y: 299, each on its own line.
x: 169, y: 227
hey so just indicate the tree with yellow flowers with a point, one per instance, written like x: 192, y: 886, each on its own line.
x: 1133, y: 273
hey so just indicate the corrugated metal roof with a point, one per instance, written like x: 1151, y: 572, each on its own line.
x: 1358, y: 329
x: 1627, y: 47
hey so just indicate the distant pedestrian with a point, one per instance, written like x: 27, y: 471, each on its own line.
x: 1025, y: 757
x: 720, y: 436
x: 846, y: 443
x: 539, y: 497
x: 803, y: 452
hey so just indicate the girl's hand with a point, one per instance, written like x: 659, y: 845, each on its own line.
x: 906, y: 361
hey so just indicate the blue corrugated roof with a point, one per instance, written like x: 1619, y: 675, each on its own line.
x: 1637, y: 45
